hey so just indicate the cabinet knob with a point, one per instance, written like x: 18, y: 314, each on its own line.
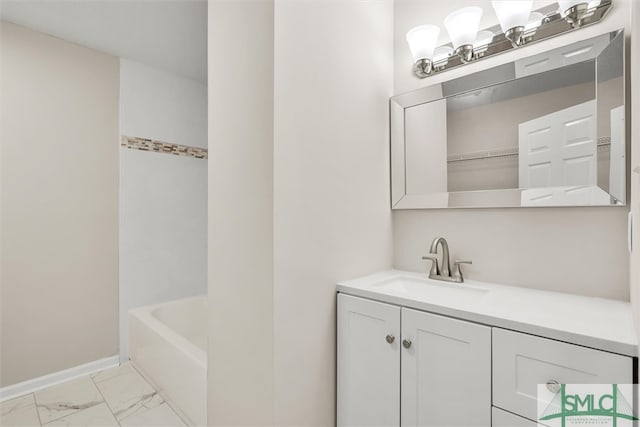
x: 390, y: 338
x: 553, y: 386
x: 406, y: 343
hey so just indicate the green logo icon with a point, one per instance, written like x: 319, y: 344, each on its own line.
x: 592, y: 404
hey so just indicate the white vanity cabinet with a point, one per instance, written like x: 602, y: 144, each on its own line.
x: 368, y: 363
x: 417, y: 352
x: 445, y: 371
x: 412, y: 352
x: 522, y: 361
x: 431, y: 371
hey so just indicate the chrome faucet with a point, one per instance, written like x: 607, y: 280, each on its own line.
x: 444, y: 272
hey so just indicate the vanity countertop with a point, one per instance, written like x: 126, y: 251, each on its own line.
x: 598, y: 323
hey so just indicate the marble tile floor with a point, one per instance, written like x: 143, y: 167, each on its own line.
x: 114, y: 397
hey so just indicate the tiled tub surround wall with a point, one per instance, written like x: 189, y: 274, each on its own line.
x: 115, y: 397
x: 163, y: 147
x: 163, y: 189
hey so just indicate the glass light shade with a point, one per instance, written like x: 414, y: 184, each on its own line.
x: 441, y: 53
x: 512, y: 13
x: 422, y: 41
x: 462, y: 25
x: 483, y: 38
x: 566, y: 4
x: 535, y: 20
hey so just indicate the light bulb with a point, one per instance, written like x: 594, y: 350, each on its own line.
x: 462, y: 25
x: 422, y: 41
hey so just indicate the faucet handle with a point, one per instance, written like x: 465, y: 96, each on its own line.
x: 457, y: 273
x: 434, y: 265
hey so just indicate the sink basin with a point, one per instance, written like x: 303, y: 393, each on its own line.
x: 435, y: 291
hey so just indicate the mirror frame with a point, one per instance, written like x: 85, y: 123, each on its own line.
x: 482, y: 198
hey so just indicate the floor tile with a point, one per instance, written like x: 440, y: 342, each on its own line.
x: 126, y: 392
x: 64, y: 399
x: 20, y: 411
x: 160, y: 416
x: 96, y: 416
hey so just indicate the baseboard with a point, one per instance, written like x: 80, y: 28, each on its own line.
x: 29, y: 386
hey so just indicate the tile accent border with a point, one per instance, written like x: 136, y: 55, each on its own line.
x: 163, y: 147
x: 35, y: 384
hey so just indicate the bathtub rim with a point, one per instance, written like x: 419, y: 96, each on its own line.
x: 184, y: 345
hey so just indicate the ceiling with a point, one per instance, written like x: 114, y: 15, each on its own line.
x: 166, y: 34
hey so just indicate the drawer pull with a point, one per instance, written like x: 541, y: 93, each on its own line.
x: 406, y: 343
x: 553, y: 386
x: 390, y: 338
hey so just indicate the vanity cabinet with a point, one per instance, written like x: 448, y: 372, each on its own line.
x: 445, y: 371
x: 368, y: 363
x: 500, y: 418
x: 398, y: 366
x: 522, y: 361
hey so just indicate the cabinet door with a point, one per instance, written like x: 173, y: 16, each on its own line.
x: 368, y: 363
x: 446, y: 371
x: 500, y: 418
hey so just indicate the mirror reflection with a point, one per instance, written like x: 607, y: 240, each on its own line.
x: 549, y: 131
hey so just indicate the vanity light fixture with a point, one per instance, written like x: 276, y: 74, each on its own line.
x: 574, y: 11
x: 462, y: 26
x: 535, y: 20
x: 513, y: 16
x: 422, y: 42
x: 518, y: 26
x: 441, y: 54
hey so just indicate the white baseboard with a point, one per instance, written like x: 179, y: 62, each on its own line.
x: 29, y: 386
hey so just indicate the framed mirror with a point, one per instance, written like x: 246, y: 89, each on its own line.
x: 545, y: 130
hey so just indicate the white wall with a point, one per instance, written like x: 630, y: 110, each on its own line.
x: 240, y: 373
x: 635, y: 165
x: 59, y: 199
x: 333, y: 78
x: 298, y: 192
x: 159, y: 105
x: 163, y: 197
x: 578, y: 250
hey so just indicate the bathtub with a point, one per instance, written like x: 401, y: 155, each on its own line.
x: 168, y: 346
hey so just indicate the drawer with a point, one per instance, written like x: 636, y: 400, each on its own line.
x: 521, y: 362
x: 500, y: 418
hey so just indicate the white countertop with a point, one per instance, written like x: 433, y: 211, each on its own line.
x: 598, y: 323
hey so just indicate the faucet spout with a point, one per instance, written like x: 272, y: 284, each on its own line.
x: 444, y: 267
x: 443, y: 272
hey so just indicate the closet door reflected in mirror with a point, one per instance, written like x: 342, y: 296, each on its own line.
x: 545, y: 130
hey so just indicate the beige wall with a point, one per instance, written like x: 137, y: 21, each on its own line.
x: 240, y: 212
x: 59, y: 205
x: 333, y: 78
x: 578, y: 250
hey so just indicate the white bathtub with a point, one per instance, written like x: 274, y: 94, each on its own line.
x: 168, y: 345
